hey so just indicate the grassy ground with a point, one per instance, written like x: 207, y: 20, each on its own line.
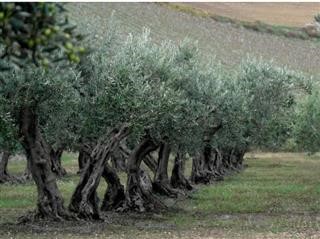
x: 277, y: 196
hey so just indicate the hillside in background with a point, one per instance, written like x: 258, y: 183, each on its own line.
x: 288, y: 14
x: 229, y: 44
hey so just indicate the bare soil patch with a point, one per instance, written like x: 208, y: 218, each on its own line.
x: 289, y: 14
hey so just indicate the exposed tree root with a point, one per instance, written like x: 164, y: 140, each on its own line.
x: 140, y: 197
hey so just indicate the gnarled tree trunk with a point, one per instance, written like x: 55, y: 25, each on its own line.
x: 50, y: 202
x: 119, y: 157
x: 202, y: 164
x: 217, y: 163
x: 114, y: 197
x: 198, y: 172
x: 178, y: 180
x: 84, y: 156
x: 27, y: 172
x: 151, y: 163
x: 56, y: 165
x: 161, y: 182
x: 139, y: 195
x: 84, y: 200
x: 237, y: 159
x: 4, y: 175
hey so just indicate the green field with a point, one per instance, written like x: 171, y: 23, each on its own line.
x: 277, y: 195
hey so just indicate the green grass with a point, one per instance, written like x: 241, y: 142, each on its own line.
x: 277, y: 193
x: 271, y: 194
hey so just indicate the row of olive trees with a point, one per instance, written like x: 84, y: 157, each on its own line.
x: 133, y: 102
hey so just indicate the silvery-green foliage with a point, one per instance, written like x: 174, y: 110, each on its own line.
x: 33, y: 86
x: 8, y: 132
x: 133, y: 84
x: 307, y: 123
x: 49, y: 92
x: 268, y: 99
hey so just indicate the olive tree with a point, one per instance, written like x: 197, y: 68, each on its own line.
x: 34, y: 34
x: 135, y: 84
x: 266, y: 97
x: 306, y: 127
x: 253, y: 109
x: 23, y: 94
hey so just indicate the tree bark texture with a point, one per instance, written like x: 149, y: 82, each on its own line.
x: 161, y: 183
x: 50, y: 202
x: 56, y: 162
x: 178, y: 180
x: 119, y: 157
x: 84, y: 156
x: 202, y: 164
x: 139, y: 196
x: 4, y: 175
x: 84, y: 201
x: 114, y: 197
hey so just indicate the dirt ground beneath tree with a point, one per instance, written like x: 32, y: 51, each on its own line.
x: 277, y: 196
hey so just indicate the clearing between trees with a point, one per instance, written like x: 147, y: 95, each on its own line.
x: 277, y: 196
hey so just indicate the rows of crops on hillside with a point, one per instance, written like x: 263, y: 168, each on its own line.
x: 230, y: 45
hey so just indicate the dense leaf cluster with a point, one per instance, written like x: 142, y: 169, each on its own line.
x: 38, y: 33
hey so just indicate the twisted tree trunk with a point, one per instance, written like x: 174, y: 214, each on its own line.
x: 148, y: 160
x: 4, y: 175
x: 50, y: 202
x: 114, y: 197
x: 198, y: 173
x: 139, y: 195
x: 237, y: 159
x: 85, y: 151
x: 202, y: 164
x: 151, y: 163
x: 161, y: 182
x: 217, y: 164
x: 119, y: 157
x: 56, y: 162
x: 178, y: 180
x: 84, y: 200
x: 27, y: 172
